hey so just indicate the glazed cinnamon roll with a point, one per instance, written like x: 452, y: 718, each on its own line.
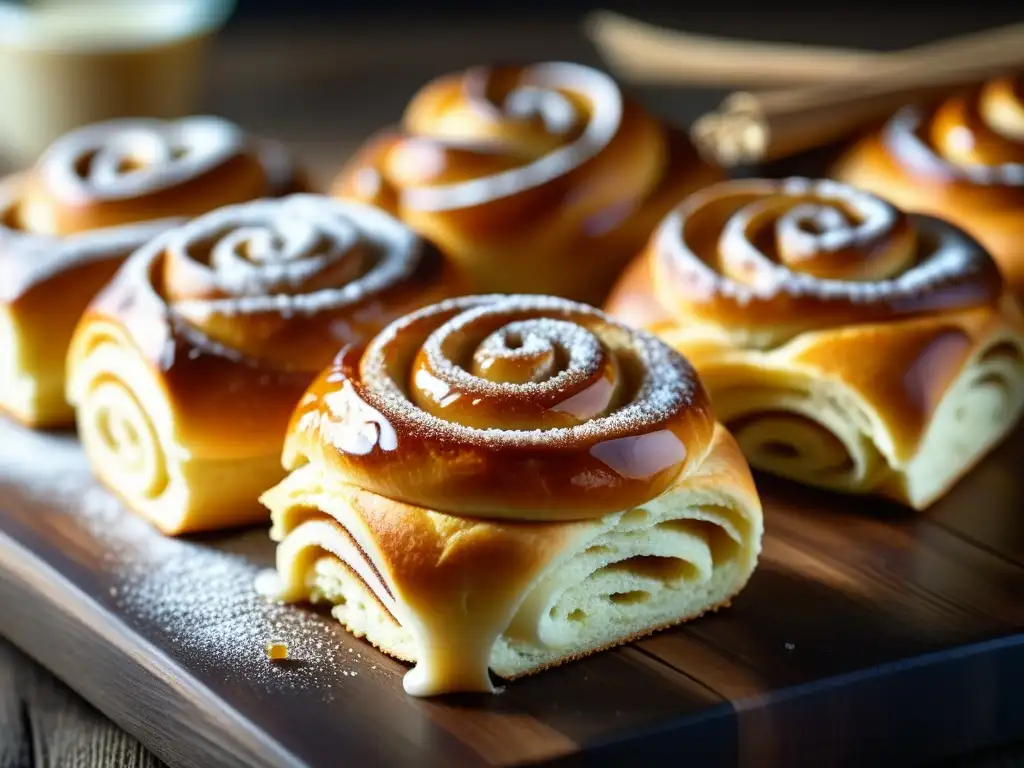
x: 961, y: 160
x: 538, y: 179
x: 185, y: 369
x: 507, y: 483
x: 95, y: 196
x: 847, y: 344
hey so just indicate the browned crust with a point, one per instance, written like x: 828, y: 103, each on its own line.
x: 430, y: 558
x: 993, y: 215
x: 227, y: 402
x: 606, y: 208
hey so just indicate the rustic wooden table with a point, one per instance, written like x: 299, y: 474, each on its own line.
x: 322, y: 87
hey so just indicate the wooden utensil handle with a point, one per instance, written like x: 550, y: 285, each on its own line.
x: 642, y: 52
x: 757, y: 127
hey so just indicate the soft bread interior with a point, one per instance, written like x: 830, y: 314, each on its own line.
x: 459, y: 597
x: 20, y: 392
x: 126, y: 426
x: 811, y: 424
x: 32, y: 370
x: 982, y: 406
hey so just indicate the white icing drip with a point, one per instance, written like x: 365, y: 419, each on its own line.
x: 953, y: 256
x: 356, y: 427
x: 668, y: 384
x: 121, y: 159
x: 271, y: 245
x: 539, y: 94
x: 902, y: 136
x: 457, y: 641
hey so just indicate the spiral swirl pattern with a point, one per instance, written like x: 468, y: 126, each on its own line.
x: 186, y: 368
x: 490, y: 134
x: 122, y: 439
x: 766, y: 260
x: 961, y: 160
x: 976, y: 138
x: 265, y: 279
x: 131, y: 158
x: 114, y: 173
x: 528, y: 128
x: 508, y: 406
x: 531, y: 166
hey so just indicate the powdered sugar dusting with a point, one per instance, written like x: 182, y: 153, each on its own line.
x: 667, y: 387
x: 737, y: 271
x: 265, y: 253
x: 904, y: 137
x: 116, y: 160
x: 28, y: 258
x: 539, y: 93
x: 583, y: 351
x: 194, y: 598
x: 127, y: 158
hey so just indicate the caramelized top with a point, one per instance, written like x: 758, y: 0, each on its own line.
x: 524, y: 407
x: 972, y: 140
x: 490, y: 135
x: 547, y: 164
x: 112, y: 185
x: 130, y: 170
x: 240, y: 308
x: 766, y: 260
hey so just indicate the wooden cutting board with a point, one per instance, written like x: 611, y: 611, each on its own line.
x: 866, y: 635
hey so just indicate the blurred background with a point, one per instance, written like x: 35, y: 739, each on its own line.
x: 322, y: 74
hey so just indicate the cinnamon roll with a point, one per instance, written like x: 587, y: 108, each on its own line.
x: 186, y: 367
x: 95, y: 196
x: 539, y: 179
x: 961, y: 160
x: 847, y: 344
x: 507, y: 483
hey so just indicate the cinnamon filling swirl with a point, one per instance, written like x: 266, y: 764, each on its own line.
x: 525, y: 406
x: 765, y: 261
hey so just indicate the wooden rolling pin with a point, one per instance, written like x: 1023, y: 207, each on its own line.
x: 640, y: 52
x: 758, y: 127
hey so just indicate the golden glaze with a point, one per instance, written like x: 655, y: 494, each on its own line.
x: 873, y: 367
x: 66, y: 227
x: 231, y: 377
x: 541, y: 179
x: 511, y: 406
x: 450, y: 592
x: 766, y: 260
x: 63, y: 197
x: 901, y: 372
x: 961, y: 160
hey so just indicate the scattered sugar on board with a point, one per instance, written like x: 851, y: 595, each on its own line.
x: 224, y: 625
x: 190, y: 597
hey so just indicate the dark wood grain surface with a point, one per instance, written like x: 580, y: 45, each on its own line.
x: 812, y: 665
x: 868, y: 636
